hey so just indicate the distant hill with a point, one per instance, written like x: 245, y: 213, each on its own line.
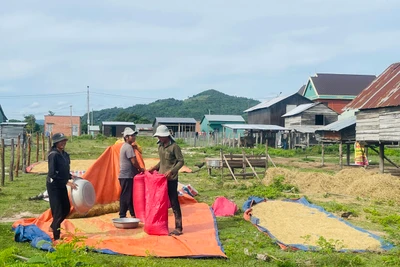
x: 207, y: 102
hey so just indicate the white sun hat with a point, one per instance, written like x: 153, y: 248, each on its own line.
x: 162, y: 131
x: 128, y: 131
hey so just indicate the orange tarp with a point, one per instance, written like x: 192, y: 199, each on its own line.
x: 200, y: 238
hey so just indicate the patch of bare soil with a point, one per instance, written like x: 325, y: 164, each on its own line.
x: 18, y: 216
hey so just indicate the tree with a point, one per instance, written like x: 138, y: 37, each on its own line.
x: 31, y: 126
x: 51, y: 113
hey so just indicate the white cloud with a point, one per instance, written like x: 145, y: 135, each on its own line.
x: 34, y: 105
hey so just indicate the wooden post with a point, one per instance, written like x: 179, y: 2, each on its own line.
x: 48, y: 145
x: 244, y: 162
x: 322, y: 154
x: 222, y: 163
x: 3, y: 168
x: 348, y: 154
x: 341, y: 154
x: 381, y: 158
x: 11, y: 172
x: 29, y: 151
x: 43, y: 148
x: 18, y: 155
x: 24, y: 148
x: 266, y: 155
x: 37, y: 147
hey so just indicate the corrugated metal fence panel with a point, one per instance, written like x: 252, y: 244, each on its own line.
x: 9, y: 132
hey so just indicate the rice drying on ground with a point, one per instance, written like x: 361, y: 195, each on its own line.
x: 351, y: 182
x: 294, y: 223
x: 97, y: 210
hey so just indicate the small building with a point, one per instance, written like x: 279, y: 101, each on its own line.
x: 94, y: 130
x: 254, y: 134
x: 69, y: 125
x: 213, y: 123
x: 11, y: 130
x: 3, y: 117
x: 335, y: 90
x: 145, y: 129
x: 179, y: 127
x: 270, y: 112
x: 115, y: 128
x: 304, y: 120
x: 378, y: 112
x: 342, y: 130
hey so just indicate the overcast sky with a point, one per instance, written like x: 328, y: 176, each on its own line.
x: 135, y: 52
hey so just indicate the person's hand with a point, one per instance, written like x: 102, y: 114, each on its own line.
x: 168, y: 175
x: 73, y: 185
x: 151, y: 169
x: 140, y: 169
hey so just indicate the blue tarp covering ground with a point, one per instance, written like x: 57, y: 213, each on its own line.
x: 254, y: 220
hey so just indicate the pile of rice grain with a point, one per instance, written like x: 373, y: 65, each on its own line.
x: 294, y: 223
x: 97, y: 210
x: 352, y: 182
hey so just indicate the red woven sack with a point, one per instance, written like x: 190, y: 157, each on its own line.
x: 139, y: 196
x: 156, y: 221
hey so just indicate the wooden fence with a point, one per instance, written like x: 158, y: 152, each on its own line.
x: 18, y: 154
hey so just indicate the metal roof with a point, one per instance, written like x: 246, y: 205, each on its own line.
x: 384, y: 91
x: 306, y: 128
x: 340, y: 84
x: 14, y: 123
x: 299, y: 109
x: 233, y: 118
x: 144, y: 127
x: 94, y: 128
x: 264, y: 127
x: 118, y: 123
x: 268, y: 103
x: 339, y: 125
x: 175, y: 120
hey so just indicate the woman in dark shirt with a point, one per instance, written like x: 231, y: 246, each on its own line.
x: 57, y: 178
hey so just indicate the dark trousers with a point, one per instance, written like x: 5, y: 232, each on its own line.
x: 126, y: 198
x: 173, y: 199
x: 59, y: 205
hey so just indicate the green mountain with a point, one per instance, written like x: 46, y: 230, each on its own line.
x: 207, y: 102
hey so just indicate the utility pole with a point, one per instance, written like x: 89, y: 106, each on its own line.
x: 88, y: 114
x: 70, y: 116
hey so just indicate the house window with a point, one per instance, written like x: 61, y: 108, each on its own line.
x: 319, y: 120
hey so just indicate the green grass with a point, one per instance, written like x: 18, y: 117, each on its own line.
x: 236, y: 234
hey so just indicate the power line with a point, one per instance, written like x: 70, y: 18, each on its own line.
x: 41, y: 95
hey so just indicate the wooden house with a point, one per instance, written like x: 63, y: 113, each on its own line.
x: 179, y: 127
x: 305, y: 119
x: 270, y: 112
x: 378, y: 115
x: 3, y: 117
x: 69, y: 125
x: 115, y: 128
x: 335, y: 90
x: 342, y: 131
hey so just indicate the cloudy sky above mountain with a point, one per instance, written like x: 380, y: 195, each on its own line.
x: 135, y: 52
